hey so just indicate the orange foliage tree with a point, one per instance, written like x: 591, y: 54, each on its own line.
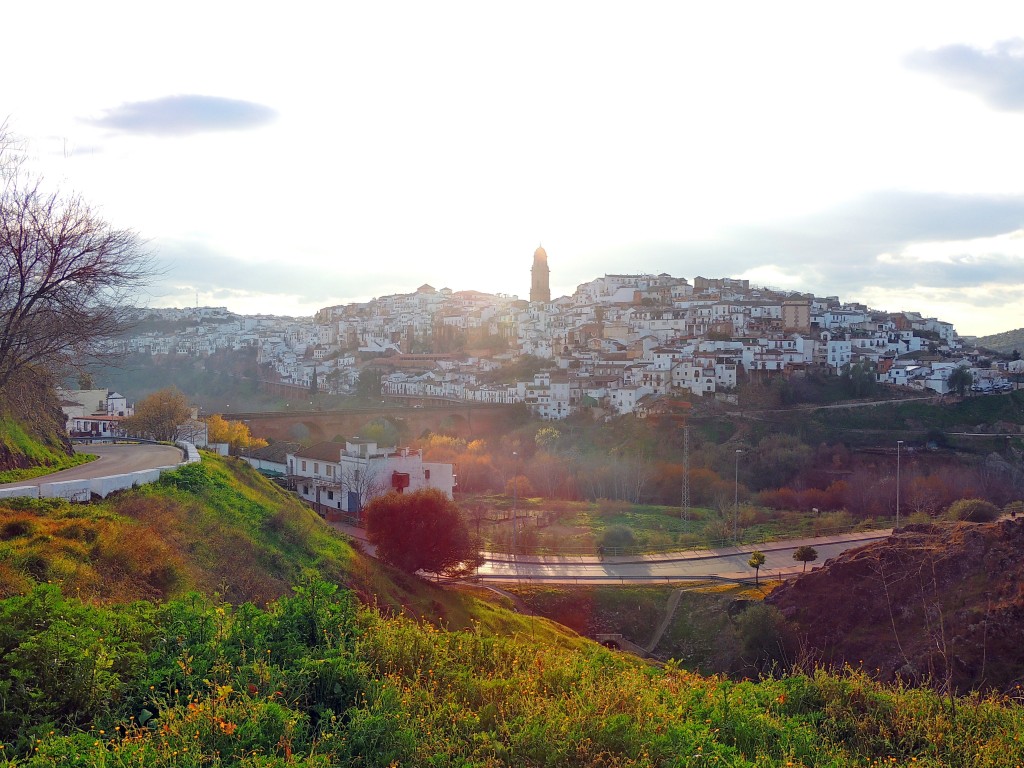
x: 234, y: 433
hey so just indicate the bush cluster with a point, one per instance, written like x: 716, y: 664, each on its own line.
x: 316, y: 680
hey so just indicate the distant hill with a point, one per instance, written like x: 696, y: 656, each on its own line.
x: 927, y: 602
x: 1005, y: 342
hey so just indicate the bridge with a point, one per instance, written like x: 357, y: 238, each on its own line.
x: 459, y: 419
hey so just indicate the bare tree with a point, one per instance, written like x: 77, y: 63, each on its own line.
x: 364, y: 481
x: 65, y: 274
x: 158, y: 416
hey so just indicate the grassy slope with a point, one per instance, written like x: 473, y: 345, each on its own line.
x: 312, y: 683
x: 702, y: 637
x: 34, y: 457
x: 216, y: 527
x: 507, y: 690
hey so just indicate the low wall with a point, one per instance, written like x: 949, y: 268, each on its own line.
x: 28, y: 491
x: 72, y: 490
x: 191, y: 453
x: 84, y: 490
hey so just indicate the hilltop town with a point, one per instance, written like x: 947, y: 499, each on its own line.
x: 614, y: 342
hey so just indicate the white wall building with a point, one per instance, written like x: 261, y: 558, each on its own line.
x: 343, y: 477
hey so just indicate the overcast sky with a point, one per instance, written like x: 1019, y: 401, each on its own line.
x: 284, y: 157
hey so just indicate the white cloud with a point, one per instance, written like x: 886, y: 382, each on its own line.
x: 439, y: 142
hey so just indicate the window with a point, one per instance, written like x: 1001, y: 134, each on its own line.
x: 426, y: 474
x: 305, y: 490
x: 303, y: 466
x: 316, y: 468
x: 330, y: 495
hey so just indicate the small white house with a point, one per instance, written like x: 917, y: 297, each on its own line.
x: 342, y: 477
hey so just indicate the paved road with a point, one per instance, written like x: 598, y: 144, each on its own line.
x: 727, y: 563
x: 113, y: 460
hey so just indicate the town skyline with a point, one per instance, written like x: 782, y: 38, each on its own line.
x: 618, y: 344
x: 532, y: 287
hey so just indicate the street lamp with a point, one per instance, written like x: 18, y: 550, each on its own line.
x: 898, y: 444
x: 515, y: 489
x: 736, y: 497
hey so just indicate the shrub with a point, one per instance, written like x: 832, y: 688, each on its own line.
x: 769, y: 643
x: 717, y: 531
x: 973, y: 510
x: 423, y: 530
x: 12, y: 529
x: 618, y: 537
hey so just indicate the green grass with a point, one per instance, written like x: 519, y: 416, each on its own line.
x: 418, y: 675
x: 43, y: 459
x: 314, y: 680
x: 218, y: 527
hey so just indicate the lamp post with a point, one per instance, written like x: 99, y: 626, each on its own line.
x: 736, y: 497
x: 515, y: 489
x: 899, y: 443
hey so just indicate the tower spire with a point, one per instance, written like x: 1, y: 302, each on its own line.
x: 540, y: 273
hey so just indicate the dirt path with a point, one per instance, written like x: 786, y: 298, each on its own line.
x: 670, y: 612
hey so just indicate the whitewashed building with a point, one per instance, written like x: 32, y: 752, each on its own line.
x: 343, y: 477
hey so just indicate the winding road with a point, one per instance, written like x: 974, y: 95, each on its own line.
x: 113, y: 460
x: 726, y: 563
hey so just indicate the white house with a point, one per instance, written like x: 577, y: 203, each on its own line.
x: 343, y: 477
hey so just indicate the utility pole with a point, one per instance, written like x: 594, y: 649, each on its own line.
x: 686, y: 473
x: 736, y: 497
x: 899, y: 444
x: 679, y: 412
x: 515, y: 489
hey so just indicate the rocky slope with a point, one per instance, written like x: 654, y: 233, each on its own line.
x: 940, y: 605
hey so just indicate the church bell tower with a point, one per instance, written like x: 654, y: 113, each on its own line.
x: 540, y: 288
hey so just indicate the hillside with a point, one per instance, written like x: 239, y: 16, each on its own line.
x: 217, y: 527
x: 931, y: 604
x: 1005, y: 342
x: 31, y: 431
x: 407, y: 674
x: 315, y: 680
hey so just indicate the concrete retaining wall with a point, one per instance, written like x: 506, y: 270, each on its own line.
x: 191, y: 454
x: 28, y: 491
x: 72, y: 490
x: 83, y: 490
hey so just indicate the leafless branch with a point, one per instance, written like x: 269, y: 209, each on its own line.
x: 66, y: 275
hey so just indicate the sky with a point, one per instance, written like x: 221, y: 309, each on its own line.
x: 280, y: 158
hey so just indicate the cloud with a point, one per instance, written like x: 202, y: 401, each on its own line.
x: 185, y: 115
x: 891, y: 240
x: 996, y: 74
x: 190, y: 267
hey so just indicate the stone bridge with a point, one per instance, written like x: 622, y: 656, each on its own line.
x: 461, y: 420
